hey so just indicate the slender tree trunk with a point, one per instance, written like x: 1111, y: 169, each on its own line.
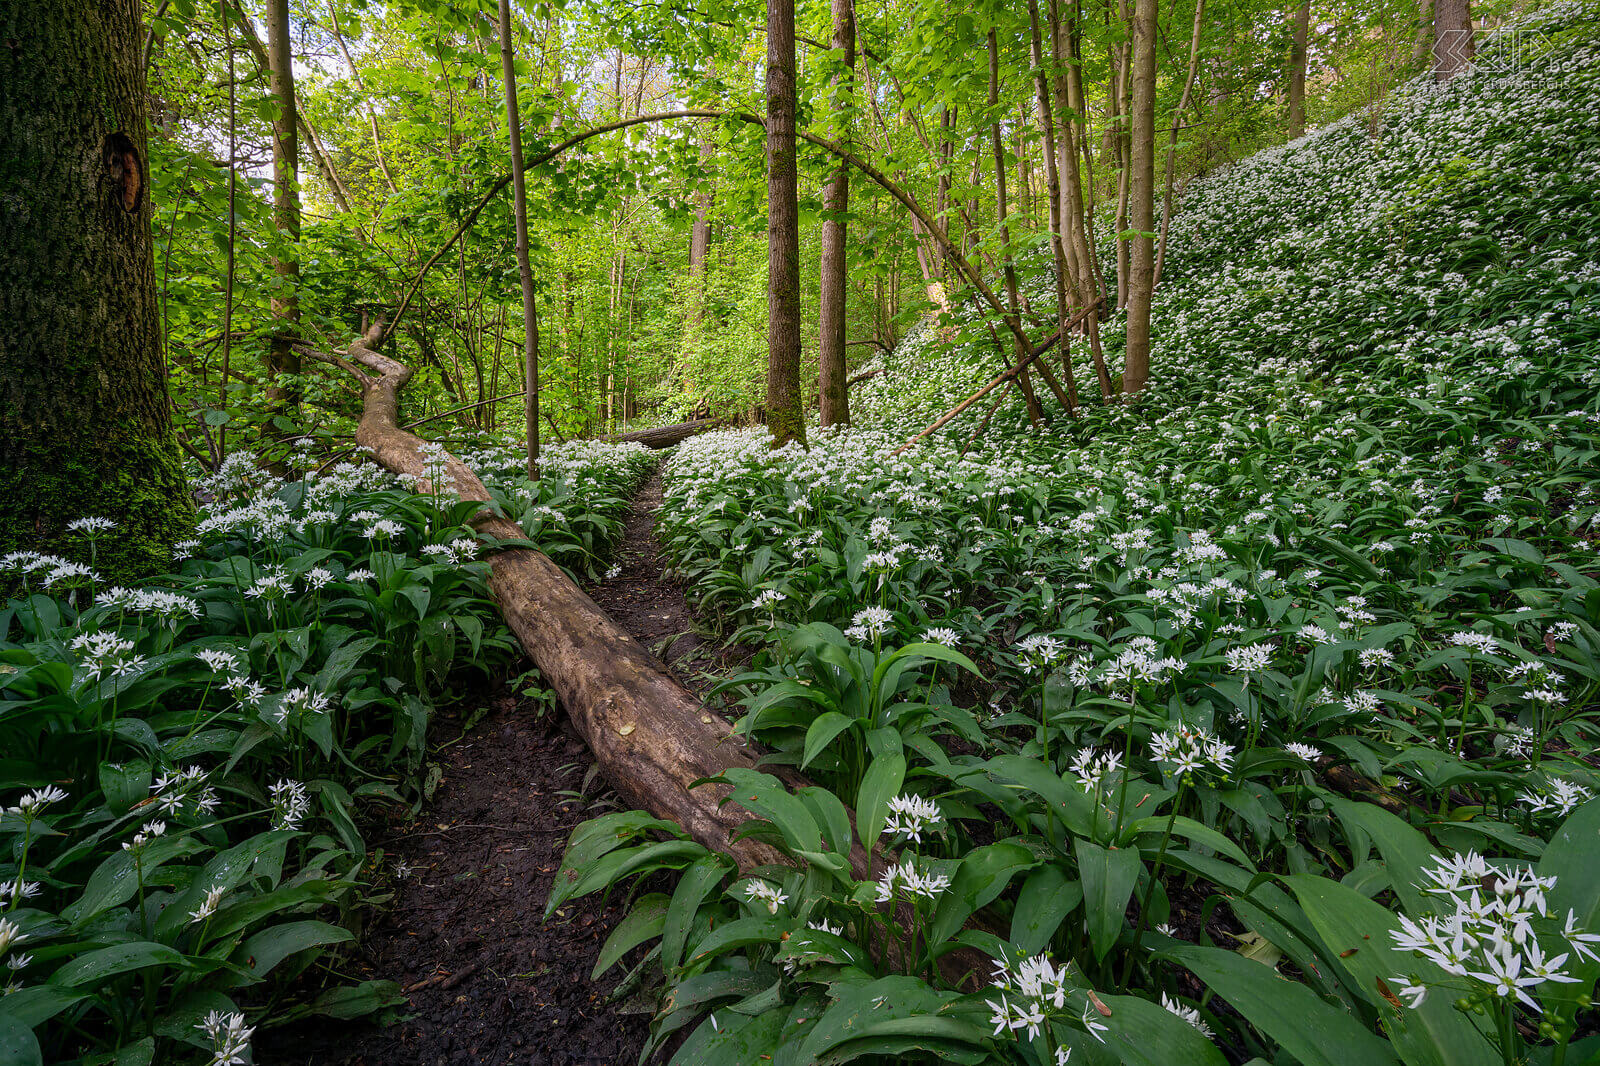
x: 519, y: 202
x: 1008, y: 268
x: 785, y: 416
x: 85, y: 419
x: 1141, y: 196
x: 1453, y: 47
x: 835, y: 398
x: 1052, y: 182
x: 372, y: 112
x: 700, y: 235
x: 1424, y: 31
x: 1172, y: 139
x: 1297, y: 70
x: 281, y: 357
x: 258, y: 52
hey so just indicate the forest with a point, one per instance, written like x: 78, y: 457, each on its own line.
x: 714, y: 533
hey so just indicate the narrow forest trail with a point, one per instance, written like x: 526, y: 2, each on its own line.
x: 489, y: 982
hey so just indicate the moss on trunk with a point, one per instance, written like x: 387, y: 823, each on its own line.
x: 85, y: 422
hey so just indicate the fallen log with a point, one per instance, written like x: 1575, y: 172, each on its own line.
x: 667, y: 436
x: 650, y: 737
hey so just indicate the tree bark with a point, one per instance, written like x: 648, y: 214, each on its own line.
x: 85, y: 423
x: 1297, y: 70
x: 784, y: 416
x: 1172, y: 140
x: 831, y: 330
x: 283, y: 400
x: 1141, y: 196
x: 519, y: 204
x: 1052, y: 182
x: 651, y: 738
x: 1453, y: 47
x: 667, y: 436
x: 372, y: 112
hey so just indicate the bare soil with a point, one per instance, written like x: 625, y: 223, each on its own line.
x: 487, y: 979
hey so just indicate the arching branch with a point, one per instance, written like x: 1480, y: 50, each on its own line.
x: 872, y: 173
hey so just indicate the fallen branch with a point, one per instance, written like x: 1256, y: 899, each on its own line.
x: 999, y: 379
x: 650, y: 737
x: 667, y: 436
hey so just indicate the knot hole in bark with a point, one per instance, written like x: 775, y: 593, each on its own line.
x: 126, y: 170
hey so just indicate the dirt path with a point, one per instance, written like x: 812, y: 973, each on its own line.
x: 488, y: 980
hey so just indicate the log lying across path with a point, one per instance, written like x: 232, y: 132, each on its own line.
x: 667, y: 436
x: 650, y: 737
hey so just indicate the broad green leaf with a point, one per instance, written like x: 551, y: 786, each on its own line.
x: 1147, y: 1034
x: 1109, y: 876
x: 1356, y: 932
x: 1047, y: 897
x: 1313, y: 1031
x: 644, y: 922
x: 264, y: 950
x: 697, y: 881
x: 881, y: 783
x: 97, y: 965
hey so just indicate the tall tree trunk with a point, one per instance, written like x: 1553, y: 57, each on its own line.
x: 1297, y: 70
x: 85, y: 422
x: 1052, y: 184
x: 1077, y: 184
x: 366, y: 97
x: 785, y: 417
x: 1141, y: 196
x: 1453, y: 47
x: 519, y: 205
x: 281, y: 356
x: 700, y: 235
x: 1008, y: 267
x: 1172, y: 139
x: 831, y: 329
x: 1424, y: 31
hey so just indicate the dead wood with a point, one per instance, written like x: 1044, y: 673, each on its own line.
x: 667, y: 436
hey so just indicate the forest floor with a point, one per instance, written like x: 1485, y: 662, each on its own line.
x: 488, y: 980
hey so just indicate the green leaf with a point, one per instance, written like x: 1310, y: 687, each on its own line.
x: 358, y: 1001
x: 983, y: 874
x: 731, y: 1040
x: 272, y: 945
x: 765, y: 796
x: 614, y: 866
x: 740, y: 933
x: 704, y: 874
x: 1047, y: 897
x: 1109, y: 877
x: 18, y: 1045
x: 1148, y: 1034
x: 644, y: 922
x: 1311, y: 1030
x: 881, y: 783
x: 824, y: 727
x: 1573, y: 859
x: 1356, y: 931
x: 101, y: 963
x: 1405, y: 851
x: 887, y: 1007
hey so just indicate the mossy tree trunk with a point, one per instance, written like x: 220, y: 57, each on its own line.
x: 784, y: 416
x: 832, y: 326
x: 85, y: 420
